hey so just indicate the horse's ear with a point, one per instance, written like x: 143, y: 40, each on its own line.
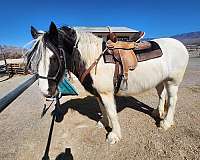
x: 34, y: 32
x: 53, y: 30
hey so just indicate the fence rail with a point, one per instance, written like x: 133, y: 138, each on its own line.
x: 11, y: 96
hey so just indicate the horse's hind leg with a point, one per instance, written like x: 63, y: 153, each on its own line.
x: 115, y: 135
x: 104, y: 122
x: 172, y: 90
x: 161, y: 109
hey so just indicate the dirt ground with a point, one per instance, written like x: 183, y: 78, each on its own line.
x: 23, y: 133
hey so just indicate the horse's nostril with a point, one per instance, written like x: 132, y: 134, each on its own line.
x: 50, y: 91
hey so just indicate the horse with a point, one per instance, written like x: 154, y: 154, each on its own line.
x: 63, y: 48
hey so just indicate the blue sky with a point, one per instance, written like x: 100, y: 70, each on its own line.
x: 158, y: 18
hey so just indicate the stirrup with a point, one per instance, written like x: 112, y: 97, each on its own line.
x: 124, y: 84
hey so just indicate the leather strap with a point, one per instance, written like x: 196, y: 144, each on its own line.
x: 116, y: 78
x: 82, y: 77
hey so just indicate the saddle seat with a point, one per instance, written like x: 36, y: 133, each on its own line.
x: 120, y: 45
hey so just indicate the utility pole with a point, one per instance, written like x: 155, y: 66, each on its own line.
x: 4, y: 57
x: 6, y: 64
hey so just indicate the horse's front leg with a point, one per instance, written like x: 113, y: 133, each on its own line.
x: 104, y: 122
x: 109, y: 102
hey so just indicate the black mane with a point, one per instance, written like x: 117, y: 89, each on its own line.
x: 69, y: 34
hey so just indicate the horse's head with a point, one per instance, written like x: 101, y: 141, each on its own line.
x: 50, y: 49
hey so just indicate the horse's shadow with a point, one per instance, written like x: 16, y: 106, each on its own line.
x: 89, y: 107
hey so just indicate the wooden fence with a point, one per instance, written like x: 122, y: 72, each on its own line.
x: 16, y: 68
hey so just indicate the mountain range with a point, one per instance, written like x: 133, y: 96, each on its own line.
x: 192, y: 38
x: 10, y: 52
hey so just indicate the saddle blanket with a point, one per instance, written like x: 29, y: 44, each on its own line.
x: 152, y: 52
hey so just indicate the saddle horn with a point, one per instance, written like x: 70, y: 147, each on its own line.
x: 111, y: 36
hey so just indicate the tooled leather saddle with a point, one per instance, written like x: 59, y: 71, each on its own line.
x: 126, y: 55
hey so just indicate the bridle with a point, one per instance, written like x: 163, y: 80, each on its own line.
x: 60, y: 55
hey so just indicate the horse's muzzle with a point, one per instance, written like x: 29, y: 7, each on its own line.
x: 50, y: 93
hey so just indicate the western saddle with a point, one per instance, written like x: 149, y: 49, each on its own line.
x: 125, y: 56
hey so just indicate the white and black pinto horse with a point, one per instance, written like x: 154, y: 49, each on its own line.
x: 67, y: 48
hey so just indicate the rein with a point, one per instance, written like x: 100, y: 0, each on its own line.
x: 94, y: 64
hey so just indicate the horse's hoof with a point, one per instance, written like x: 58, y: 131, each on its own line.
x: 99, y: 124
x: 112, y: 138
x: 166, y: 125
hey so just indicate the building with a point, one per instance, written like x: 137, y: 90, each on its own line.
x: 123, y: 33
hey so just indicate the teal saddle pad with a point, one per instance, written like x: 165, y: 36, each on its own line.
x: 66, y: 88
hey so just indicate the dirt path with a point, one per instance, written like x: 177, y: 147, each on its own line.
x: 23, y: 134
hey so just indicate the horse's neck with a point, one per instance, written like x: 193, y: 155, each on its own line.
x: 79, y: 65
x: 76, y: 65
x: 89, y: 49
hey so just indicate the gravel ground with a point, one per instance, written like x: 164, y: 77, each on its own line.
x: 23, y: 133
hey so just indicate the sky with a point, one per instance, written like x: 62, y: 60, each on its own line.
x: 157, y: 18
